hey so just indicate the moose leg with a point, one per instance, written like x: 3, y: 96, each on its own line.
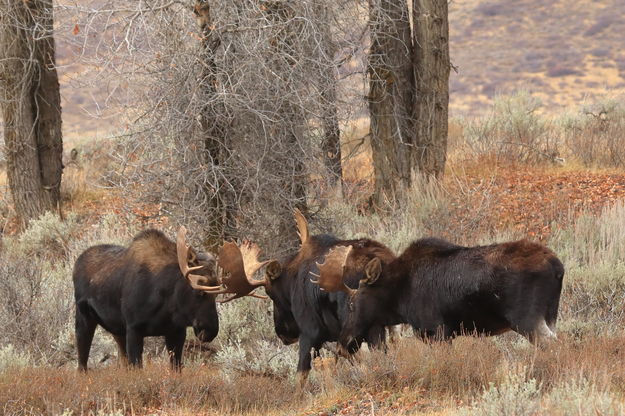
x: 551, y: 316
x: 85, y: 328
x: 122, y: 355
x: 175, y: 344
x: 433, y: 335
x: 376, y: 338
x: 134, y: 347
x: 304, y: 363
x: 538, y: 334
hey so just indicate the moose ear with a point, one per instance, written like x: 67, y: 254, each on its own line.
x: 373, y: 269
x: 273, y: 270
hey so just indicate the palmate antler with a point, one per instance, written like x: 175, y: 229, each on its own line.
x: 183, y: 256
x: 241, y: 263
x: 331, y: 271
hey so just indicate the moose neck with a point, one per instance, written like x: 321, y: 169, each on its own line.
x: 393, y: 291
x: 185, y: 300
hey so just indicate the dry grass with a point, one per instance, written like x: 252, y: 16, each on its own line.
x: 410, y: 377
x: 483, y: 198
x: 518, y: 130
x: 87, y: 168
x: 153, y: 389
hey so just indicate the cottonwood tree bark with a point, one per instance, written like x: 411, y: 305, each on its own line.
x: 31, y: 106
x: 409, y: 92
x: 282, y: 57
x: 431, y: 69
x: 211, y: 125
x: 391, y: 86
x: 331, y: 140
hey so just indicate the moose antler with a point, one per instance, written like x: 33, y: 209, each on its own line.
x: 331, y: 271
x: 241, y: 263
x: 302, y: 225
x: 183, y: 256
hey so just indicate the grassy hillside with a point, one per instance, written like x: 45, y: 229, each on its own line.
x: 561, y: 51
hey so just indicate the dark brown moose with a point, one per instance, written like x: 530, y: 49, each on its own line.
x: 300, y: 310
x: 144, y: 290
x: 444, y: 290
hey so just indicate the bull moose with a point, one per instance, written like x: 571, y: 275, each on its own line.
x: 145, y: 289
x: 300, y: 310
x: 443, y: 290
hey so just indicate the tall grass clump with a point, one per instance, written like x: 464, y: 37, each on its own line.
x: 440, y: 368
x: 247, y: 343
x: 423, y: 210
x: 36, y: 292
x: 513, y: 132
x: 592, y: 239
x: 593, y: 252
x: 596, y: 135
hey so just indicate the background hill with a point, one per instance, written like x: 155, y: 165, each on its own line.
x: 562, y: 52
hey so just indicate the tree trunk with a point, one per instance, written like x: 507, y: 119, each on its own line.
x: 283, y: 58
x: 431, y: 67
x: 391, y: 85
x: 331, y: 141
x: 31, y: 106
x: 212, y: 130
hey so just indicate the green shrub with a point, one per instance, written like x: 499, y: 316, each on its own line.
x: 247, y: 341
x: 48, y: 237
x: 513, y: 132
x: 515, y: 396
x: 36, y: 292
x: 244, y: 321
x: 35, y: 303
x: 596, y: 135
x: 259, y: 358
x: 11, y: 358
x: 581, y: 398
x: 423, y: 211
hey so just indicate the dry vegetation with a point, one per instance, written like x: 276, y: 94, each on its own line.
x: 573, y: 200
x: 513, y: 173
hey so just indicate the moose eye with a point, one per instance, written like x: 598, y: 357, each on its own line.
x: 350, y: 305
